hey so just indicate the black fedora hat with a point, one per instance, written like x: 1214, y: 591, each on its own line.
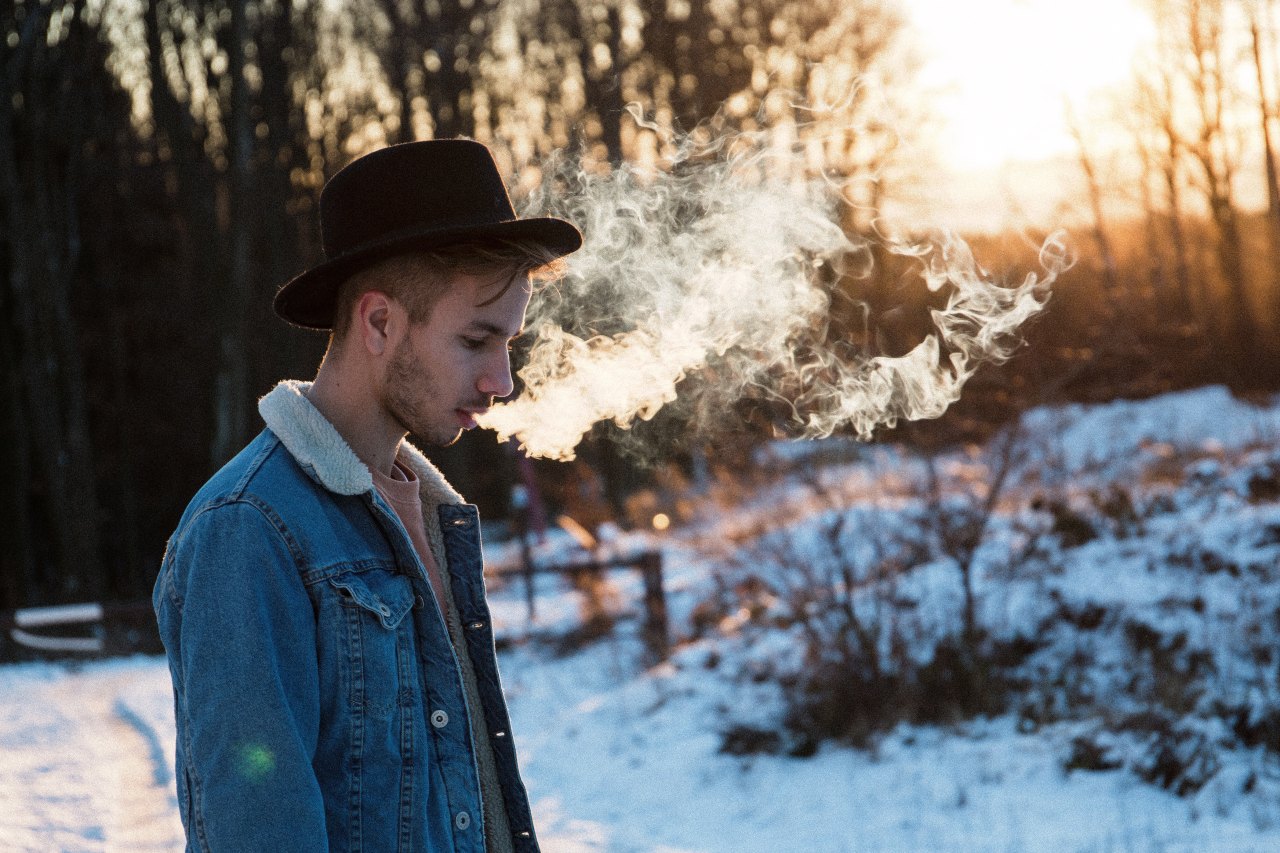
x: 403, y: 197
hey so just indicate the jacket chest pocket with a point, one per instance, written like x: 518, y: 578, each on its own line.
x: 379, y: 643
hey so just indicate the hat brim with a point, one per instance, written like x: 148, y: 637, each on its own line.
x: 310, y: 299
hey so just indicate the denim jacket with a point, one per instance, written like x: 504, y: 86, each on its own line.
x: 319, y: 700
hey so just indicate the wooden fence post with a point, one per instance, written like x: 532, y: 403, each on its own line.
x: 656, y: 638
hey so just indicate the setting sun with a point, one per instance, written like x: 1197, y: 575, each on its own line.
x: 1002, y: 70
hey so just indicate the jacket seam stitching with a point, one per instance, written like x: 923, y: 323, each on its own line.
x: 274, y: 520
x: 255, y: 465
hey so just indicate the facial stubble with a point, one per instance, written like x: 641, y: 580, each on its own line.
x: 410, y: 389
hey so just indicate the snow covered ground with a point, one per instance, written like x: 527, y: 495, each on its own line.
x: 629, y: 767
x: 620, y: 757
x: 86, y: 757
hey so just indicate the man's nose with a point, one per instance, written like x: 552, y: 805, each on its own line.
x: 496, y: 380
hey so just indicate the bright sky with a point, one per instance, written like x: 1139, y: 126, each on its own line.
x: 999, y: 73
x: 1002, y: 69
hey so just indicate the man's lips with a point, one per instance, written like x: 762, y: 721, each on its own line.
x: 467, y: 417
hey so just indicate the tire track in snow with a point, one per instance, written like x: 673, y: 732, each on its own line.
x: 80, y: 768
x: 143, y: 808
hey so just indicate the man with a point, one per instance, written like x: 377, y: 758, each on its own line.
x: 322, y: 601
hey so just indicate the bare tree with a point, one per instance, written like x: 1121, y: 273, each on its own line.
x: 1213, y: 149
x: 231, y: 400
x: 1093, y: 185
x: 1259, y: 15
x: 1153, y: 218
x: 1261, y: 29
x: 1172, y: 173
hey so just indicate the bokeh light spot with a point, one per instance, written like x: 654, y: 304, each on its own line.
x: 256, y: 762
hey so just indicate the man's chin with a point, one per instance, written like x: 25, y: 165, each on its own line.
x: 439, y: 438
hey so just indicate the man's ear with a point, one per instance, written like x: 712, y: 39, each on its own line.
x: 376, y: 320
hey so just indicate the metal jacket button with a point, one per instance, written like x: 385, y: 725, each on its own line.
x: 462, y: 821
x: 439, y: 719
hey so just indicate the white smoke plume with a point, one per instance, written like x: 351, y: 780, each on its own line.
x: 708, y: 281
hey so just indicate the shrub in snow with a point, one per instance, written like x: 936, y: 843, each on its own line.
x: 1093, y: 752
x: 882, y: 596
x: 1128, y: 604
x: 1262, y: 484
x: 1178, y: 756
x: 1254, y: 726
x: 1071, y: 528
x: 750, y: 740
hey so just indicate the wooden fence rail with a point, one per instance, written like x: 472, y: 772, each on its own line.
x: 118, y: 627
x: 110, y: 627
x: 655, y: 630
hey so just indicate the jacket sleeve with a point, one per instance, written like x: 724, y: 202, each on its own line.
x: 249, y: 692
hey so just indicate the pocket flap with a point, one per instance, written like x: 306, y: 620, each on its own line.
x: 385, y: 595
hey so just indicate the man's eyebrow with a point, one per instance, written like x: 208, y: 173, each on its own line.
x: 495, y: 330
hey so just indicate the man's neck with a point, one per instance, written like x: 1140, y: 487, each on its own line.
x: 356, y: 415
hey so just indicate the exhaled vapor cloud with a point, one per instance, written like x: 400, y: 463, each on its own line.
x: 704, y: 283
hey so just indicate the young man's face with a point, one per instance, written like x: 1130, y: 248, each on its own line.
x: 449, y: 368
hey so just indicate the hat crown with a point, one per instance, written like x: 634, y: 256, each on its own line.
x: 412, y: 187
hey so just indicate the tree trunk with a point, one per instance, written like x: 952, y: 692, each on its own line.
x: 1269, y: 151
x: 17, y: 562
x: 232, y: 392
x: 604, y: 85
x: 179, y: 143
x: 1151, y: 221
x: 449, y: 87
x: 1210, y: 88
x: 1171, y: 174
x: 1110, y: 279
x: 400, y: 58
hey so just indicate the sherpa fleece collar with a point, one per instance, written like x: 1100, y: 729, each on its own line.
x: 314, y: 442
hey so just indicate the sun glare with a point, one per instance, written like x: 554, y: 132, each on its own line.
x: 1002, y: 71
